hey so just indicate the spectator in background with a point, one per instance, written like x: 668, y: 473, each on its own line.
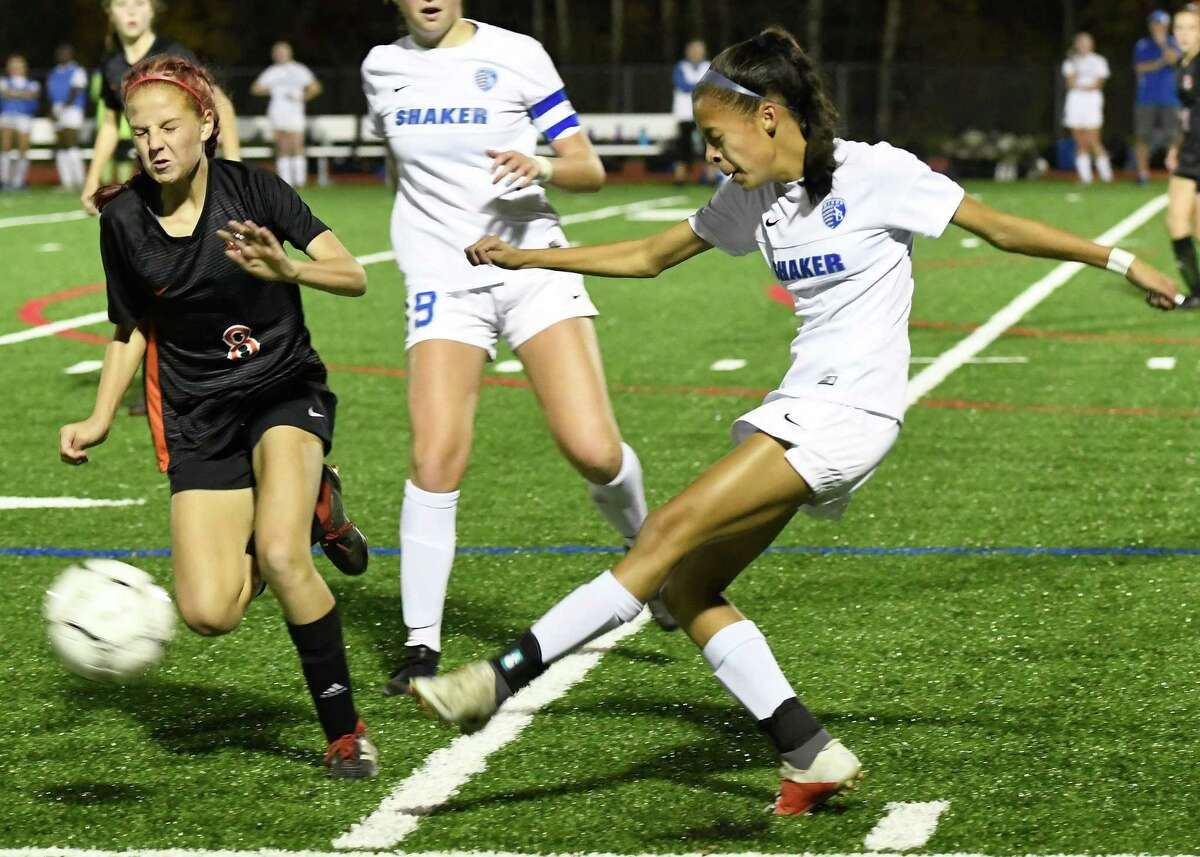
x: 1086, y: 71
x: 1156, y: 110
x: 290, y: 85
x: 18, y: 105
x: 687, y: 72
x: 66, y: 87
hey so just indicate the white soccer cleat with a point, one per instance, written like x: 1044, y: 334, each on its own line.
x: 834, y: 770
x: 466, y: 696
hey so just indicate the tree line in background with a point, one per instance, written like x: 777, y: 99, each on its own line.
x: 338, y: 32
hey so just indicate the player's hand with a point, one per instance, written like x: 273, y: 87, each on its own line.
x: 85, y: 199
x: 1161, y: 291
x: 257, y: 251
x: 515, y: 169
x: 490, y: 250
x: 73, y: 439
x: 1172, y: 160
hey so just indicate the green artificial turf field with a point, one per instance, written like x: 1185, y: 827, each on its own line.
x: 1005, y: 620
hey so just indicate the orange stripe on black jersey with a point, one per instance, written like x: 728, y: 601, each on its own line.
x: 154, y: 403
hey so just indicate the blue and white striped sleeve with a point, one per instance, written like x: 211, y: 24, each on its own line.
x: 546, y: 97
x: 554, y: 116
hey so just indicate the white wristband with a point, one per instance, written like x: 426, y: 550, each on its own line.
x: 545, y: 168
x: 1119, y: 261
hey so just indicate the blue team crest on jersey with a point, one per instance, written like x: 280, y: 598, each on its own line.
x: 485, y: 78
x: 833, y: 211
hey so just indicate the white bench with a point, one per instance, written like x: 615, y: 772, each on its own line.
x: 619, y: 135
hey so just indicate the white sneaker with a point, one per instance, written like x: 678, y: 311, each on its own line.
x: 834, y: 770
x: 465, y: 696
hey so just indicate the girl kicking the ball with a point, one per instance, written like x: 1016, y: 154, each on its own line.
x: 202, y: 293
x: 835, y: 221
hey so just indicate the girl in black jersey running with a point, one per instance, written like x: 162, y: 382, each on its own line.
x: 1183, y: 157
x: 201, y: 291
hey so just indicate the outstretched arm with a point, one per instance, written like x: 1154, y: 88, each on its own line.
x: 643, y: 257
x: 257, y: 251
x: 122, y: 357
x: 1030, y: 238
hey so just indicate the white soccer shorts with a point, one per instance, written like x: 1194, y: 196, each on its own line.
x: 18, y: 122
x: 523, y: 306
x: 835, y: 448
x: 68, y: 118
x: 1084, y: 109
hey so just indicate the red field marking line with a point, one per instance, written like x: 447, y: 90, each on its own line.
x: 31, y: 312
x: 1078, y: 410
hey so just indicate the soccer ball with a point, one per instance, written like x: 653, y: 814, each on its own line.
x: 107, y: 620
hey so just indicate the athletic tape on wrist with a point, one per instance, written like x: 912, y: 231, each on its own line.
x: 1119, y: 261
x: 545, y: 168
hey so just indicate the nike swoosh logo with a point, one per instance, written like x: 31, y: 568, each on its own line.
x: 788, y: 417
x: 158, y: 292
x: 398, y: 88
x: 772, y: 222
x: 313, y: 413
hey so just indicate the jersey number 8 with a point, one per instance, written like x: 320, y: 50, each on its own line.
x: 242, y: 345
x: 423, y: 308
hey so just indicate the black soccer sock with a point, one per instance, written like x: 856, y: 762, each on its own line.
x: 323, y: 659
x: 518, y: 666
x: 1185, y: 261
x: 796, y: 734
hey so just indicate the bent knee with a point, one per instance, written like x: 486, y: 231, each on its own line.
x: 597, y: 462
x: 283, y: 557
x: 687, y: 596
x: 210, y: 620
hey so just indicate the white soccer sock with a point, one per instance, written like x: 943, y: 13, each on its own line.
x: 623, y: 501
x: 744, y: 664
x: 60, y: 164
x: 78, y: 170
x: 283, y: 166
x: 299, y: 170
x: 427, y: 539
x: 598, y: 606
x: 1104, y: 168
x: 22, y: 170
x: 6, y: 168
x: 1083, y: 166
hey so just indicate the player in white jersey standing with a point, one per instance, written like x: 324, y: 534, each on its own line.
x: 835, y: 221
x: 461, y: 105
x: 290, y: 85
x: 1083, y: 112
x: 684, y: 77
x: 19, y: 95
x: 66, y: 87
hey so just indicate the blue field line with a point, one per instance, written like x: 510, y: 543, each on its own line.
x: 570, y: 550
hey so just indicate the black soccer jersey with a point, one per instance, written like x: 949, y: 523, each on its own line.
x: 114, y: 66
x: 1189, y: 94
x: 217, y: 337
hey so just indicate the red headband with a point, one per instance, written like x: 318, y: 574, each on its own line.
x: 160, y: 77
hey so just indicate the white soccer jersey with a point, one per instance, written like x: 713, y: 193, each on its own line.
x: 286, y: 82
x: 1088, y: 70
x: 440, y: 111
x: 847, y: 264
x: 684, y: 80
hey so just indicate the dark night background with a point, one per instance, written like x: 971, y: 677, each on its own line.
x: 955, y: 63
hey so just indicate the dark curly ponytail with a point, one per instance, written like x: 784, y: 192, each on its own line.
x: 773, y: 64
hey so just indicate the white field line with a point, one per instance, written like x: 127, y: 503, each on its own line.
x: 986, y: 334
x: 368, y: 259
x: 62, y: 503
x: 273, y: 852
x: 906, y: 826
x: 34, y: 219
x: 984, y: 361
x: 448, y: 769
x: 53, y: 328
